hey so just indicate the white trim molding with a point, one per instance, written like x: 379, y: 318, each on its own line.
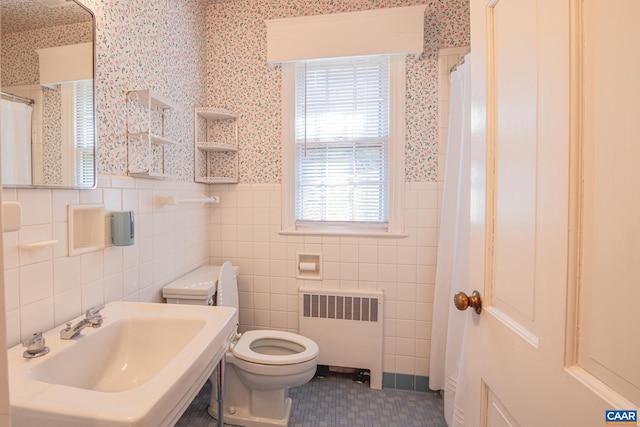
x: 288, y: 147
x: 397, y: 140
x: 397, y: 30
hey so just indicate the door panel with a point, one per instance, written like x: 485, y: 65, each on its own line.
x: 514, y: 85
x: 497, y: 413
x: 610, y: 227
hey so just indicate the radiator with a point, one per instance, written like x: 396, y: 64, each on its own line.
x: 347, y: 325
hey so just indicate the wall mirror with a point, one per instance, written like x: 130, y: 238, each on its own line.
x: 47, y: 76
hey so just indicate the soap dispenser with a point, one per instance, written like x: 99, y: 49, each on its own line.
x: 122, y: 232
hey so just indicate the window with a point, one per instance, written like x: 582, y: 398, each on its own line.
x: 344, y: 152
x: 77, y: 132
x: 83, y: 135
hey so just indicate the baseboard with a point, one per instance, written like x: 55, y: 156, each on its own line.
x: 406, y: 382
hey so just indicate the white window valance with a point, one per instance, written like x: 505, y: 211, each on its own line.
x: 64, y: 64
x: 398, y: 30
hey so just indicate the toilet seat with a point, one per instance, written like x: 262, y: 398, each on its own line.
x: 305, y: 348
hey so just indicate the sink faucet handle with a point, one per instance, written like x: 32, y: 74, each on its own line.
x: 35, y: 341
x: 94, y: 311
x: 35, y: 346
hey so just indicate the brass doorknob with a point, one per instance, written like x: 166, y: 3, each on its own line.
x: 462, y: 301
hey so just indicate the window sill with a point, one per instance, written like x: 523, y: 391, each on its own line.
x: 336, y: 233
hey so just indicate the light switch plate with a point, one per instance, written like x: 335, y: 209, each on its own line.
x: 11, y: 212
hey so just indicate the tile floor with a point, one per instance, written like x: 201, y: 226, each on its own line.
x: 337, y: 400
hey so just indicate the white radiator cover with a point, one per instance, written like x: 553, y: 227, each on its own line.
x: 347, y: 326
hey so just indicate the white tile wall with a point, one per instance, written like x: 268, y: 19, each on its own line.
x: 45, y: 288
x: 4, y: 377
x: 245, y: 230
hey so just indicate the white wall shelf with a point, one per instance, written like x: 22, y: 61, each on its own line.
x: 155, y: 139
x: 146, y: 139
x: 210, y: 113
x: 216, y: 146
x: 147, y: 97
x: 217, y: 180
x: 149, y: 175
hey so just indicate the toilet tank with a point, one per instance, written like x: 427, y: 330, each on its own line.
x: 196, y: 288
x: 200, y: 286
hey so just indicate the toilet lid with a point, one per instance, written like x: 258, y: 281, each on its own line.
x: 308, y: 349
x: 200, y: 283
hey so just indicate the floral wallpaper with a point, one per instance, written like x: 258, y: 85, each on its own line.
x: 199, y: 53
x: 52, y: 135
x: 155, y: 44
x: 26, y: 15
x: 148, y: 44
x: 19, y: 58
x: 239, y: 79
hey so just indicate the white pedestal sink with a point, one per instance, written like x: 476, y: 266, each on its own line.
x: 142, y: 367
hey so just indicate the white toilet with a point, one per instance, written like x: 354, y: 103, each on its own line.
x: 261, y: 365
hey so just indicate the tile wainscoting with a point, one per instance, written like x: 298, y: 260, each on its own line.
x: 245, y: 230
x: 46, y: 287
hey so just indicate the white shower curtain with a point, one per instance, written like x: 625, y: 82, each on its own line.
x: 450, y: 325
x: 15, y: 131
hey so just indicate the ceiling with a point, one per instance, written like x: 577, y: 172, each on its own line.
x: 26, y: 15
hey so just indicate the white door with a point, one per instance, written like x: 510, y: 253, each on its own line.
x: 555, y: 212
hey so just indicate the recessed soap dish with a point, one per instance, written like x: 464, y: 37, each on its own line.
x: 86, y: 228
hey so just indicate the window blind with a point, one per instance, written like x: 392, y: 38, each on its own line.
x: 83, y: 132
x: 341, y: 139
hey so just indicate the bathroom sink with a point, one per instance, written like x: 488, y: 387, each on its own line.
x: 124, y: 355
x: 142, y: 367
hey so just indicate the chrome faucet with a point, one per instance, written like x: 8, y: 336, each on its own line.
x: 35, y: 346
x: 92, y: 318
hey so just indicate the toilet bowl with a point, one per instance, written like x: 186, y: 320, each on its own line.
x: 261, y: 365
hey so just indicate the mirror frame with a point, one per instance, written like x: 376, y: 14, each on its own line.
x: 95, y: 133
